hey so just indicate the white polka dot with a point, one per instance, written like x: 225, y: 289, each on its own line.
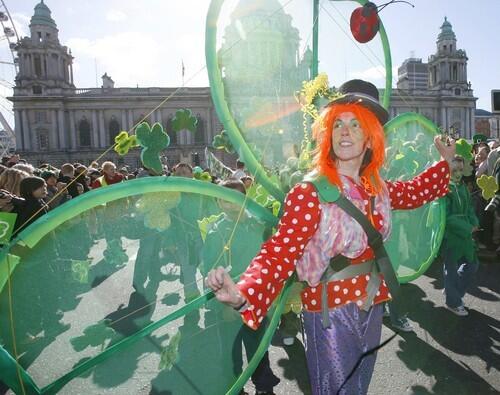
x: 276, y: 275
x: 434, y: 175
x: 289, y: 203
x: 260, y: 319
x: 273, y: 290
x: 290, y: 273
x: 268, y: 286
x: 391, y: 189
x: 265, y: 271
x: 313, y: 302
x: 345, y: 291
x: 268, y: 300
x: 426, y: 191
x: 401, y: 202
x: 286, y: 240
x: 301, y: 246
x: 367, y: 277
x: 279, y: 268
x: 414, y: 197
x: 314, y: 194
x: 336, y: 288
x: 307, y: 217
x: 381, y: 222
x: 303, y: 186
x: 389, y: 295
x: 365, y: 202
x: 354, y: 280
x: 359, y: 303
x: 426, y: 179
x: 409, y: 205
x: 260, y: 296
x: 375, y: 212
x: 305, y: 294
x: 313, y: 290
x: 443, y: 169
x: 357, y: 293
x: 277, y: 249
x: 378, y: 293
x: 297, y: 208
x: 310, y: 204
x: 258, y: 281
x: 300, y: 197
x: 300, y: 238
x: 289, y: 231
x: 293, y: 249
x: 251, y: 291
x: 250, y: 322
x: 337, y: 300
x: 304, y: 229
x: 258, y: 312
x: 306, y: 306
x: 264, y: 251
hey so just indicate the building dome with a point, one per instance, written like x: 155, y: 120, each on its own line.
x: 42, y: 16
x: 446, y: 31
x: 245, y: 7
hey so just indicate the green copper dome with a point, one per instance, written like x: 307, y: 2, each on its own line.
x: 446, y: 31
x: 42, y: 16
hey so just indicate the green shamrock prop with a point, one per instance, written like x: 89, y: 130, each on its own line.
x: 222, y: 141
x: 464, y: 149
x: 80, y: 271
x: 115, y: 255
x: 203, y: 176
x: 170, y: 354
x: 124, y: 142
x: 93, y: 336
x: 184, y: 120
x: 153, y: 141
x: 488, y: 186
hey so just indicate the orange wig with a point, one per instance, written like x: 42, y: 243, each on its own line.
x: 324, y: 157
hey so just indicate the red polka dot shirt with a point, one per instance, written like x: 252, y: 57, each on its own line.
x: 275, y: 263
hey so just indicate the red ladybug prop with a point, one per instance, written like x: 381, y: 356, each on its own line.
x: 365, y: 22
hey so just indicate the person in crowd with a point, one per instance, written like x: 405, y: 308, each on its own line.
x: 247, y: 181
x: 82, y: 178
x: 67, y: 176
x: 183, y: 170
x: 26, y: 167
x: 10, y: 181
x: 57, y: 193
x: 458, y: 248
x: 33, y: 190
x: 239, y: 237
x: 109, y: 176
x: 480, y: 160
x: 240, y: 170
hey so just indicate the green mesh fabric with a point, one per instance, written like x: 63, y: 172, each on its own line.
x: 105, y: 275
x: 416, y: 234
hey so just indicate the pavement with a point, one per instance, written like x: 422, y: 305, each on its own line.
x: 446, y: 354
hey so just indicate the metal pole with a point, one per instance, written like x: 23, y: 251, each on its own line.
x: 314, y: 68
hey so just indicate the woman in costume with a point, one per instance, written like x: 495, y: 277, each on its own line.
x: 340, y: 258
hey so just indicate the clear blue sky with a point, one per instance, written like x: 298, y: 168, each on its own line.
x: 143, y: 42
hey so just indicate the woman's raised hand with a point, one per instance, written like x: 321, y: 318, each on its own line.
x: 445, y: 148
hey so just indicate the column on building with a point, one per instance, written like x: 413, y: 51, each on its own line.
x: 72, y: 130
x: 124, y: 123
x: 18, y: 130
x: 33, y: 138
x: 53, y: 138
x: 63, y: 144
x: 95, y: 129
x: 102, y: 129
x: 130, y: 120
x: 28, y: 143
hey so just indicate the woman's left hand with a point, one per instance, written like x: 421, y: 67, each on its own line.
x: 446, y: 149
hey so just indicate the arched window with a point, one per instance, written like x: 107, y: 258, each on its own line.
x: 84, y: 133
x: 199, y: 136
x: 114, y: 129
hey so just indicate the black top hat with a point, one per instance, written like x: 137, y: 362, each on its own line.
x: 363, y: 93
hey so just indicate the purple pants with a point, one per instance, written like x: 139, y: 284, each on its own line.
x: 333, y: 352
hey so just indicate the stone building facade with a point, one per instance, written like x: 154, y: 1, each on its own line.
x: 56, y: 122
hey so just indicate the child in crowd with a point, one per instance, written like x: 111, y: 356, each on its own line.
x: 33, y: 190
x: 459, y: 247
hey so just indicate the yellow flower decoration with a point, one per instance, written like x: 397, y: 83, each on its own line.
x: 155, y: 207
x: 488, y: 186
